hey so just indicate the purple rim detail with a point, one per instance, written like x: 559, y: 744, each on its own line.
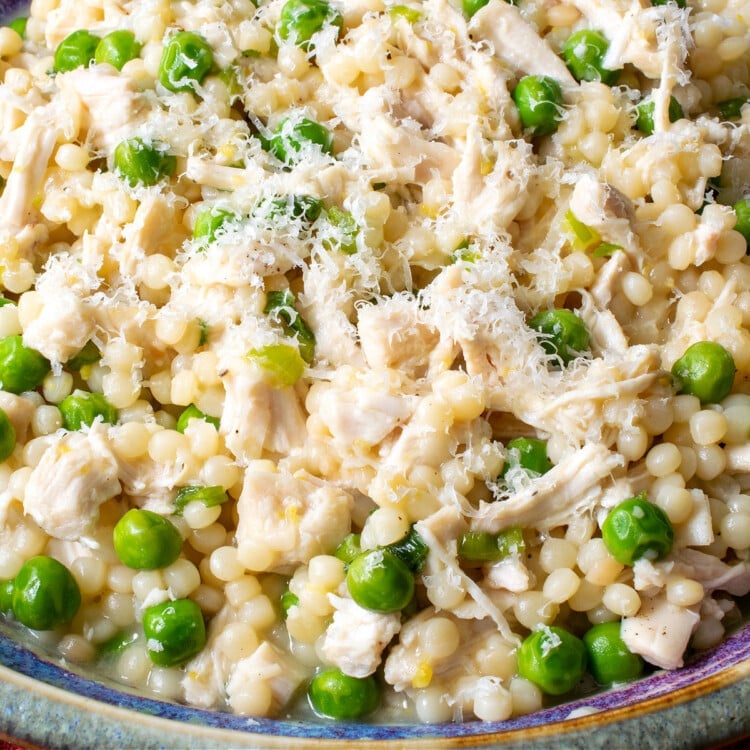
x: 25, y: 661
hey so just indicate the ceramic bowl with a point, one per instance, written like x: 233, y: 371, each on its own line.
x: 46, y: 703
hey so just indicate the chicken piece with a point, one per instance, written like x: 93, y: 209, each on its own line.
x: 75, y: 475
x: 712, y: 572
x: 660, y: 632
x: 517, y: 43
x: 355, y: 640
x: 62, y: 328
x: 509, y: 574
x: 294, y: 516
x: 111, y: 104
x: 393, y: 335
x: 569, y: 489
x: 403, y: 153
x: 24, y: 183
x: 20, y: 412
x: 360, y: 414
x: 489, y: 202
x: 258, y: 416
x: 270, y: 666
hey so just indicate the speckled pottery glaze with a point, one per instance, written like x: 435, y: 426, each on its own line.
x: 45, y: 703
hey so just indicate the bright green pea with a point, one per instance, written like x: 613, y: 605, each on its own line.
x: 7, y: 436
x: 21, y: 368
x: 193, y: 412
x: 705, y: 370
x: 349, y: 548
x: 411, y: 549
x: 89, y: 355
x: 117, y: 48
x: 552, y: 658
x: 290, y: 209
x: 742, y: 212
x: 6, y: 596
x: 470, y: 7
x: 45, y: 594
x: 186, y: 60
x: 81, y: 408
x: 645, y: 114
x: 379, y: 581
x: 584, y: 53
x: 144, y: 540
x: 731, y: 109
x: 678, y: 3
x: 287, y: 601
x: 301, y: 19
x: 19, y: 26
x: 175, y: 632
x: 481, y: 546
x: 209, y: 496
x: 209, y: 221
x: 5, y: 301
x: 75, y: 51
x: 635, y: 529
x: 539, y: 100
x: 610, y: 660
x: 345, y: 229
x: 338, y: 696
x: 562, y: 333
x: 291, y: 140
x: 529, y: 454
x: 117, y: 644
x: 281, y: 304
x: 140, y: 163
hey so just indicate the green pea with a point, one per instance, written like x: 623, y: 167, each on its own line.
x: 742, y: 212
x: 705, y: 370
x: 291, y: 141
x: 344, y: 231
x: 89, y: 355
x: 117, y: 48
x: 411, y: 549
x: 281, y: 304
x: 45, y: 594
x: 336, y: 695
x: 7, y: 436
x: 552, y: 658
x: 379, y: 581
x: 144, y: 540
x: 562, y: 333
x: 481, y: 546
x: 175, y: 632
x: 21, y: 368
x: 584, y: 53
x: 141, y: 163
x: 5, y: 301
x: 645, y: 114
x: 81, y: 408
x: 287, y: 601
x: 193, y: 412
x: 117, y: 644
x: 210, y: 221
x: 19, y: 26
x: 210, y: 496
x: 731, y: 109
x: 301, y: 19
x: 75, y: 51
x: 529, y: 454
x: 610, y: 660
x: 186, y: 60
x: 635, y: 529
x: 539, y: 100
x: 470, y: 7
x: 678, y: 3
x: 349, y: 548
x: 6, y: 596
x: 282, y: 364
